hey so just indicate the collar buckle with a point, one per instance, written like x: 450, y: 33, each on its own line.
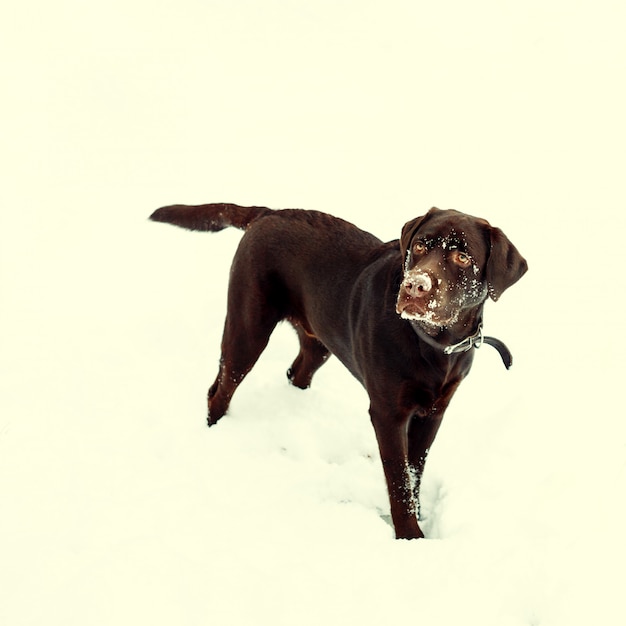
x: 473, y: 341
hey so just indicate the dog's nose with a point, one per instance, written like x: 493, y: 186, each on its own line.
x: 418, y: 285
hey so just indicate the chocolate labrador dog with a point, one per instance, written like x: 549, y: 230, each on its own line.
x: 402, y: 316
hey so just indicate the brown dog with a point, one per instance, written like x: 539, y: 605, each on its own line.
x: 402, y: 316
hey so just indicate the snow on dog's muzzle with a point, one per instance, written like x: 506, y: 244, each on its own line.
x: 416, y: 296
x: 417, y: 284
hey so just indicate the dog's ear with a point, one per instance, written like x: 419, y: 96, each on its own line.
x: 505, y: 265
x: 409, y: 230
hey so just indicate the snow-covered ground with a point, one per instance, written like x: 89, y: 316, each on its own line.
x: 117, y: 505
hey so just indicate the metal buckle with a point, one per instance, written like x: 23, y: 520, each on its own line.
x: 475, y: 341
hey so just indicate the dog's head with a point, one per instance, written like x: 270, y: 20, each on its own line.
x: 452, y: 262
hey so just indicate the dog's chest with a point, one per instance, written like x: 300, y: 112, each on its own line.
x: 432, y: 388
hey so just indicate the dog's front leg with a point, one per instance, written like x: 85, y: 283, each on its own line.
x: 391, y: 433
x: 422, y: 432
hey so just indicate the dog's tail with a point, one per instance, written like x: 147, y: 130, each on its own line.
x: 211, y: 217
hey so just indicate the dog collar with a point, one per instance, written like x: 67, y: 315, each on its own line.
x: 474, y: 341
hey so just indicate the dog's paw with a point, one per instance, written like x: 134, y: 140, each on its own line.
x: 293, y: 379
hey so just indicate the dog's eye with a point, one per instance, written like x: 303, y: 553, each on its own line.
x: 461, y: 258
x: 419, y: 247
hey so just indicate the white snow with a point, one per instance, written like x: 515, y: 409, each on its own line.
x: 118, y: 505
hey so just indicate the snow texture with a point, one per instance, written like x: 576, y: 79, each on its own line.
x: 118, y: 505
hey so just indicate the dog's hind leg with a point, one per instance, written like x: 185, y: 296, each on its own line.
x: 313, y: 354
x: 249, y: 324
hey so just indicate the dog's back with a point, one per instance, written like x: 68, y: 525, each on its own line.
x: 301, y: 251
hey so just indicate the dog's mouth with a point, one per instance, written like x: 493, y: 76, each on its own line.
x: 425, y: 310
x: 411, y: 307
x: 429, y: 318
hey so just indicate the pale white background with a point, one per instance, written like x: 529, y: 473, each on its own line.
x: 118, y: 506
